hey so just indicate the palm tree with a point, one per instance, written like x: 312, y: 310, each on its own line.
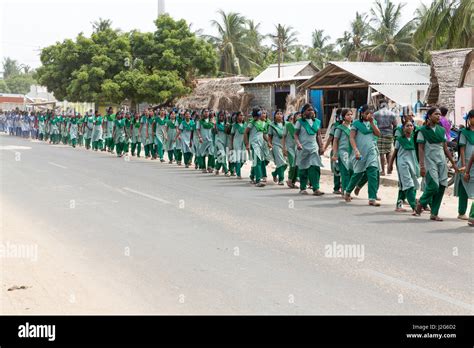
x: 445, y: 24
x: 284, y: 41
x: 253, y: 40
x: 390, y: 41
x: 101, y: 25
x: 322, y: 51
x: 235, y: 55
x: 353, y: 44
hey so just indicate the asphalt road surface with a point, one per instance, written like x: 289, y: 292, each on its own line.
x: 165, y: 239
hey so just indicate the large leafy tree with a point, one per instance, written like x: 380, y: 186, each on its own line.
x: 4, y: 87
x: 17, y: 77
x: 111, y: 66
x: 390, y: 40
x: 10, y: 67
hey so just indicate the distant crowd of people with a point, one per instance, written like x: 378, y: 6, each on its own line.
x: 364, y: 146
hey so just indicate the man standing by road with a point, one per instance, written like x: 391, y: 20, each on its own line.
x: 387, y: 123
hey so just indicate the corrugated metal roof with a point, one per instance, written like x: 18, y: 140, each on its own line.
x: 404, y: 95
x: 388, y: 73
x: 288, y: 72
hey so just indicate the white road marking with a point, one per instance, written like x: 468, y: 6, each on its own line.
x: 57, y: 165
x: 14, y: 147
x: 421, y: 289
x: 147, y: 195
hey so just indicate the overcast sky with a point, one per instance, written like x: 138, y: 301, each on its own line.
x: 28, y: 25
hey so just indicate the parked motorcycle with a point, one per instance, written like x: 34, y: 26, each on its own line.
x: 453, y: 149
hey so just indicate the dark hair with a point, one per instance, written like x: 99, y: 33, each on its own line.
x: 306, y: 107
x: 256, y: 112
x: 469, y: 115
x: 343, y: 114
x: 430, y: 112
x: 339, y: 118
x: 363, y: 109
x: 444, y: 110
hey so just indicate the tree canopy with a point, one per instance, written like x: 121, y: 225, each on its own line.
x: 111, y: 65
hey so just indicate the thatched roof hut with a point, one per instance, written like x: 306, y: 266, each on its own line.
x: 218, y: 94
x: 446, y: 71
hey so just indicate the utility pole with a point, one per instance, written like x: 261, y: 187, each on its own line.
x: 161, y: 7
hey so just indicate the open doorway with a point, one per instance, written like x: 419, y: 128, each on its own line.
x: 280, y: 97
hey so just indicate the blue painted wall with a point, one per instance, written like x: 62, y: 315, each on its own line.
x: 315, y: 99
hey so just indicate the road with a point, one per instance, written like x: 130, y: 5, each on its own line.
x: 137, y: 236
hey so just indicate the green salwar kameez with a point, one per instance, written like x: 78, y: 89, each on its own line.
x: 436, y: 179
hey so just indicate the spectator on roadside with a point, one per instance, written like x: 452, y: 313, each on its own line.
x: 386, y: 122
x: 443, y: 121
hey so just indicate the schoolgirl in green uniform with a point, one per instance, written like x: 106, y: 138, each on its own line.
x: 342, y: 149
x: 289, y: 148
x: 365, y: 155
x: 80, y: 130
x: 267, y: 147
x: 205, y: 143
x: 143, y: 130
x: 41, y: 126
x: 408, y: 168
x: 109, y: 124
x: 220, y: 144
x: 275, y: 136
x: 185, y: 135
x: 65, y: 119
x: 55, y: 135
x: 73, y: 129
x: 160, y: 134
x: 118, y: 134
x: 171, y: 130
x: 255, y: 139
x: 238, y: 153
x: 47, y: 126
x: 149, y: 141
x: 467, y: 179
x: 309, y: 148
x: 88, y: 128
x: 97, y: 131
x: 128, y: 133
x: 135, y: 127
x: 432, y: 151
x: 334, y: 164
x: 465, y: 189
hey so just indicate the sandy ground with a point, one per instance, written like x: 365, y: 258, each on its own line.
x: 55, y: 282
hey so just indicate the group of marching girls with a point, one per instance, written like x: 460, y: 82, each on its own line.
x: 220, y: 142
x: 419, y: 151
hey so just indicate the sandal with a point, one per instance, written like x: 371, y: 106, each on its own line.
x: 463, y: 217
x: 418, y: 208
x: 303, y: 192
x: 374, y: 203
x: 347, y: 197
x: 318, y: 193
x: 435, y: 218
